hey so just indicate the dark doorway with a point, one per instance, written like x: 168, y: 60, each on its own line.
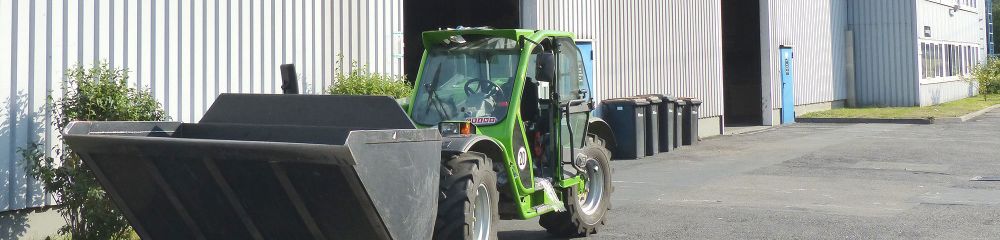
x: 424, y: 15
x: 741, y: 62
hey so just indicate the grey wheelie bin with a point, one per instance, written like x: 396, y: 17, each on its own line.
x: 679, y: 130
x: 666, y: 122
x: 652, y: 134
x: 627, y: 118
x: 690, y: 121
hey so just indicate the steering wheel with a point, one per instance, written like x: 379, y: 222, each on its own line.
x: 483, y: 86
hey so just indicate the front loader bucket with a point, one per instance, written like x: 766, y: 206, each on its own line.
x: 271, y: 167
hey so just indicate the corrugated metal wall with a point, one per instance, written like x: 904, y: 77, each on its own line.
x: 963, y: 28
x: 816, y: 29
x: 186, y: 52
x: 885, y: 52
x: 646, y: 46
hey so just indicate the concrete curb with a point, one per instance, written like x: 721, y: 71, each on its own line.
x: 866, y: 120
x: 961, y: 119
x: 967, y: 117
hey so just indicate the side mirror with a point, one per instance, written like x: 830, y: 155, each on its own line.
x: 546, y: 71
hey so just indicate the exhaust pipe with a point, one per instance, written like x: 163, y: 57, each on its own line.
x: 289, y: 81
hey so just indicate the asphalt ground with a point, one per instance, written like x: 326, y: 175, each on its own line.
x: 811, y: 181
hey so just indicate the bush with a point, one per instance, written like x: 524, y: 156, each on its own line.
x: 100, y: 93
x: 360, y: 81
x: 987, y: 76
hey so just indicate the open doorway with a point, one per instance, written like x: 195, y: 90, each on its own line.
x: 425, y: 15
x: 741, y: 61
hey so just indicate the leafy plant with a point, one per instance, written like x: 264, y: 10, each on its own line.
x: 987, y: 77
x: 99, y: 93
x: 359, y: 80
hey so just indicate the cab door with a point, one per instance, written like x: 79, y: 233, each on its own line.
x: 574, y: 97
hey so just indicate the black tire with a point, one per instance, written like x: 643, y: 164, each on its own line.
x: 594, y: 140
x: 575, y: 222
x: 461, y: 176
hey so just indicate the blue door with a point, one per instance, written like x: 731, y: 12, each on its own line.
x: 787, y: 92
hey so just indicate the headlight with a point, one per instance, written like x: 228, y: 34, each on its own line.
x: 456, y: 128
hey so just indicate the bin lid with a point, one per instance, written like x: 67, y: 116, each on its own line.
x: 627, y: 101
x: 653, y: 99
x: 693, y: 101
x: 680, y: 102
x: 662, y: 97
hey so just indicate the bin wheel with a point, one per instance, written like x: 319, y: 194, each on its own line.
x: 586, y: 210
x: 467, y: 204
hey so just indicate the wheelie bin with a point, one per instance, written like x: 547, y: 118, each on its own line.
x: 690, y: 121
x: 627, y: 117
x: 679, y: 129
x: 666, y: 123
x: 652, y: 133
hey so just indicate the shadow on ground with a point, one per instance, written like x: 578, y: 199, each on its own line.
x: 525, y: 234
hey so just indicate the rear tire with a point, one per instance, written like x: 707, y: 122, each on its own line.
x: 467, y: 183
x: 583, y: 216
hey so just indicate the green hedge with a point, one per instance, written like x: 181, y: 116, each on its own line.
x: 987, y: 76
x: 359, y: 80
x: 98, y: 93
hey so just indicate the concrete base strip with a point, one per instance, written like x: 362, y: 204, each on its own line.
x: 866, y: 120
x: 967, y: 117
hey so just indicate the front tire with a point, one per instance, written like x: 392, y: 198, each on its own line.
x: 467, y: 204
x: 586, y: 211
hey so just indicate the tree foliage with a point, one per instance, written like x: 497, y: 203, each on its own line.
x: 98, y: 93
x: 987, y: 77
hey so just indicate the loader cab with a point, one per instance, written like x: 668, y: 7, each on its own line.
x: 525, y: 91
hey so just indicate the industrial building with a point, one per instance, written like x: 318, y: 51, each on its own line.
x: 753, y: 62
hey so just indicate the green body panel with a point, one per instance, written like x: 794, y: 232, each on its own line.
x: 503, y: 132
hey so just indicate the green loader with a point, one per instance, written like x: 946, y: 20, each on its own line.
x: 499, y: 126
x: 514, y: 108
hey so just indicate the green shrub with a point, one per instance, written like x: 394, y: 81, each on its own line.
x: 360, y: 81
x: 99, y: 93
x: 987, y: 76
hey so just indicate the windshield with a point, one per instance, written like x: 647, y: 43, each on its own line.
x: 468, y: 79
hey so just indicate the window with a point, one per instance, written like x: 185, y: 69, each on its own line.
x: 946, y: 60
x: 467, y: 80
x: 923, y: 60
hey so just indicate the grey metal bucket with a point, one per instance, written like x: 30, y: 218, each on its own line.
x: 271, y: 167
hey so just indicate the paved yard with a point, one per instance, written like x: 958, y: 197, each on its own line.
x: 812, y: 181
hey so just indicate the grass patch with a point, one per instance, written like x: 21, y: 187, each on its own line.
x: 949, y: 109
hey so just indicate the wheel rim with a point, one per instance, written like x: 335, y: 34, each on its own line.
x: 590, y: 199
x: 482, y: 214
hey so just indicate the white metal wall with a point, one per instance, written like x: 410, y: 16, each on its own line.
x: 963, y: 26
x: 816, y: 29
x: 644, y: 46
x: 885, y: 52
x: 186, y: 52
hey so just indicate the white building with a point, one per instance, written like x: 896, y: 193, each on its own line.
x: 185, y: 52
x: 915, y: 52
x: 726, y: 52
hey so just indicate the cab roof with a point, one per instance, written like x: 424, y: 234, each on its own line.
x: 433, y: 37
